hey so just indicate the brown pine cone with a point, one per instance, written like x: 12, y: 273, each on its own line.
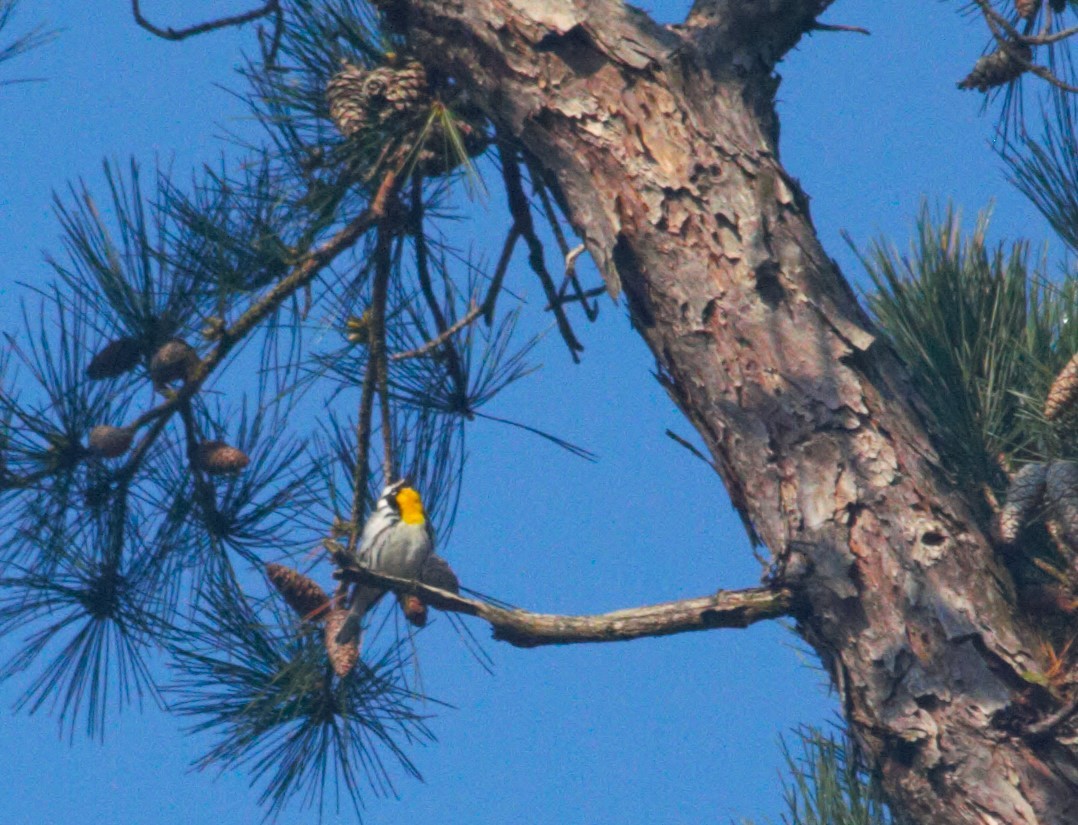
x: 301, y: 593
x: 342, y: 657
x: 1061, y: 496
x: 218, y: 458
x: 110, y: 442
x: 117, y: 357
x: 363, y: 99
x: 999, y: 67
x: 174, y: 361
x: 1023, y: 496
x: 414, y: 610
x: 1064, y: 390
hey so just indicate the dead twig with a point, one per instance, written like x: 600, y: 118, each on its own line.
x: 473, y: 312
x: 521, y: 211
x: 499, y: 273
x: 168, y: 33
x: 832, y: 27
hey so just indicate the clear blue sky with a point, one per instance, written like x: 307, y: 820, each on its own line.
x: 676, y: 730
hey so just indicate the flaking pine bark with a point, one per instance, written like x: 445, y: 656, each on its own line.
x: 662, y: 144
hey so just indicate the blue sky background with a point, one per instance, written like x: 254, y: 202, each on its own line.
x: 673, y: 730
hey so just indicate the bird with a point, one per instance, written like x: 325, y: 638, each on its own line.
x: 397, y: 540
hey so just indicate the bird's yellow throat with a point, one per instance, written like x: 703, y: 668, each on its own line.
x: 411, y: 506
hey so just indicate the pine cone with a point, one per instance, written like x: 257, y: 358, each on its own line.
x: 999, y: 67
x: 363, y: 99
x: 342, y: 657
x: 110, y: 442
x: 302, y: 594
x: 436, y: 572
x: 118, y: 357
x: 1023, y: 496
x: 1027, y: 9
x: 1064, y: 390
x: 218, y: 458
x: 1062, y: 498
x: 173, y: 361
x: 414, y: 610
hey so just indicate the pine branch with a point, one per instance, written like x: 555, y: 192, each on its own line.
x: 521, y: 210
x: 521, y: 628
x: 474, y: 312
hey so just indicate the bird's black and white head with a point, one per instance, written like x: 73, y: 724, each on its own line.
x: 401, y: 500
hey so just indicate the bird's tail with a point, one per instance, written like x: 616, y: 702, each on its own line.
x: 352, y: 630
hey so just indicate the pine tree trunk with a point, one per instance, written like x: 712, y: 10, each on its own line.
x: 663, y: 143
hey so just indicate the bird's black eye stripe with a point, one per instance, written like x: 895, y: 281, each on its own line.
x: 392, y: 502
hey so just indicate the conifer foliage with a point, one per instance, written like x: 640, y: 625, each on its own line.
x: 149, y: 512
x: 166, y: 538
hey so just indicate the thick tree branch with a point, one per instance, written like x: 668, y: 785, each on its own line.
x: 768, y: 29
x: 668, y: 163
x: 521, y: 628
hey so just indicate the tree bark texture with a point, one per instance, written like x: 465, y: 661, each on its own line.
x: 663, y: 144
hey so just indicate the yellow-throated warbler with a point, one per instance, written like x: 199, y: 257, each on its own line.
x: 397, y: 540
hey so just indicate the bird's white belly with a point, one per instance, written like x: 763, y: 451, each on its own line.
x: 411, y: 548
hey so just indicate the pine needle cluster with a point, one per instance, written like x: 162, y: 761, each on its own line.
x: 142, y: 496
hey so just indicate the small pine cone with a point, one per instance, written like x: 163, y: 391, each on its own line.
x: 301, y: 593
x: 361, y: 99
x: 173, y: 361
x: 414, y: 610
x: 1061, y: 496
x: 407, y: 89
x: 346, y: 99
x: 1064, y: 390
x: 436, y: 572
x: 1023, y: 497
x: 1027, y: 9
x: 342, y: 657
x: 118, y: 357
x: 999, y: 67
x: 218, y: 458
x: 110, y: 442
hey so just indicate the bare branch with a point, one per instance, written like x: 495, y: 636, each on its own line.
x: 521, y: 628
x: 271, y: 7
x: 831, y: 27
x: 499, y: 273
x: 474, y: 312
x: 521, y: 210
x: 594, y: 292
x: 541, y: 190
x: 383, y: 266
x: 426, y: 285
